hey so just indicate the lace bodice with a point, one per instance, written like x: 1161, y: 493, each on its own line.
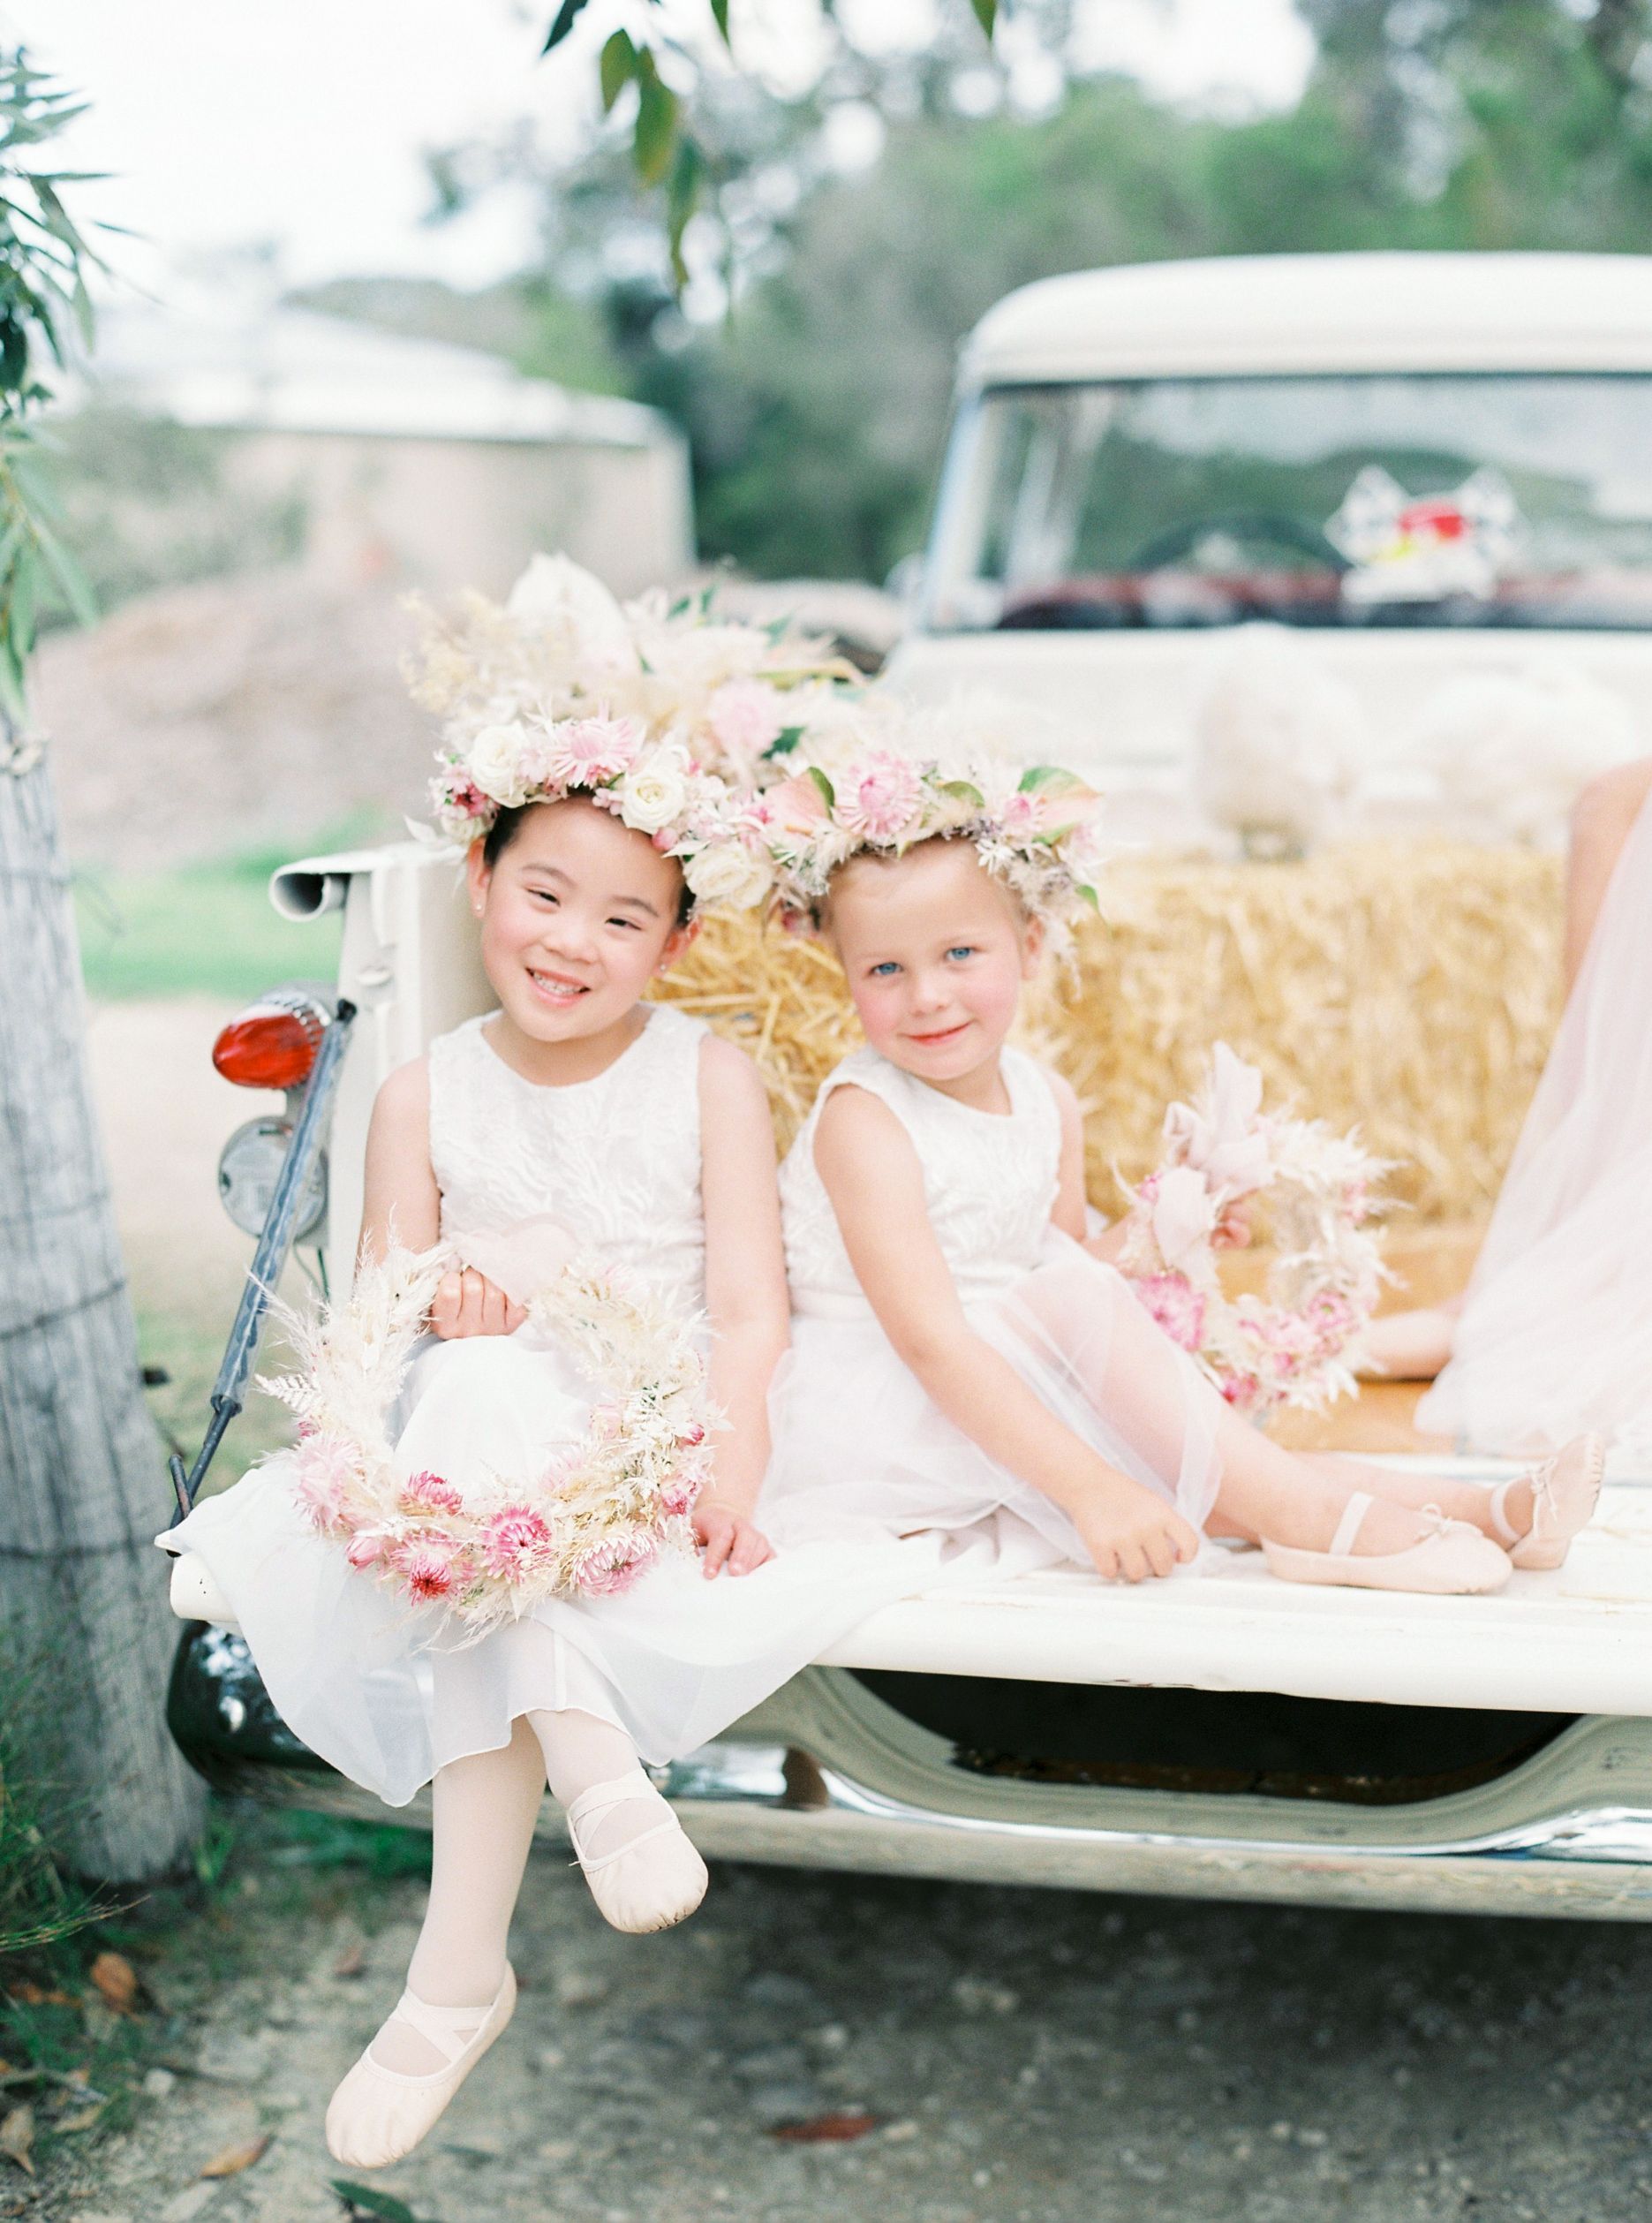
x: 990, y: 1182
x: 616, y: 1160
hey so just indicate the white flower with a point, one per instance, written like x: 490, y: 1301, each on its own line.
x: 493, y: 761
x: 655, y: 791
x: 728, y: 874
x: 554, y: 595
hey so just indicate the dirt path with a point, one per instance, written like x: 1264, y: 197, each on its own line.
x: 1030, y: 2058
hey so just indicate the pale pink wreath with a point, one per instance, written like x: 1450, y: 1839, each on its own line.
x: 1296, y: 1345
x: 589, y: 1525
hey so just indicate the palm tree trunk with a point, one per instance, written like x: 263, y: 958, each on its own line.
x: 82, y: 1492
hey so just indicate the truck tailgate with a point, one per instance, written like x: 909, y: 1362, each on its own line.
x: 1575, y: 1640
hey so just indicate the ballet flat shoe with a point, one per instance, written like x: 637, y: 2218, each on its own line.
x: 655, y: 1880
x: 1452, y: 1558
x: 1565, y: 1493
x: 194, y: 1594
x: 378, y: 2114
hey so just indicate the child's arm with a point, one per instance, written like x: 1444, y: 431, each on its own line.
x: 873, y: 1175
x: 745, y: 1298
x: 402, y: 1200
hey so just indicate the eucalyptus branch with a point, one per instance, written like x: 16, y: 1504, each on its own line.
x: 44, y: 261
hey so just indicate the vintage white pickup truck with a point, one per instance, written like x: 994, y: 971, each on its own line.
x: 1143, y: 458
x: 1428, y: 467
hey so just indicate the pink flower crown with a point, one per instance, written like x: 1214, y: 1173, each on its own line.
x: 653, y: 787
x: 1035, y: 829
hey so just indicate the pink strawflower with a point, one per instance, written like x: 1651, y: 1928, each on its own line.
x: 427, y: 1493
x: 693, y: 1436
x: 514, y: 1542
x: 746, y: 718
x: 364, y: 1547
x: 1243, y: 1392
x: 606, y: 1422
x: 878, y: 797
x: 1177, y: 1306
x: 608, y: 1568
x: 326, y: 1467
x: 1022, y: 816
x: 591, y: 751
x: 427, y: 1571
x: 455, y: 793
x: 678, y: 1496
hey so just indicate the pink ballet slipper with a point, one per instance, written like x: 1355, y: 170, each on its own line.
x: 1452, y: 1558
x: 652, y: 1880
x: 1566, y: 1490
x: 378, y: 2114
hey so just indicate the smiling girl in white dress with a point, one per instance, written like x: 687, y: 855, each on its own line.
x: 575, y: 1115
x: 959, y: 1359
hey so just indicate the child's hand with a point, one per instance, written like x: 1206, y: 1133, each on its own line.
x: 728, y: 1540
x: 467, y: 1303
x: 1130, y: 1532
x: 1232, y: 1231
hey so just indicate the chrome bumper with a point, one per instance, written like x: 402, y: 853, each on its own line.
x: 827, y: 1776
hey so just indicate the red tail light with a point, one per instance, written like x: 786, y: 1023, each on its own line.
x: 273, y: 1043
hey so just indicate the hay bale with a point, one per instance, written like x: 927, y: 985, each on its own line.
x: 1409, y: 991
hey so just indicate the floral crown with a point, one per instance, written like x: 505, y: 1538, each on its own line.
x: 653, y: 787
x: 560, y: 647
x: 1033, y: 828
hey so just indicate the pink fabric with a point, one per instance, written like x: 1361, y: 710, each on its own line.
x: 1556, y: 1333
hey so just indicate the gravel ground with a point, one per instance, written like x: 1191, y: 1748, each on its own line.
x: 1030, y: 2058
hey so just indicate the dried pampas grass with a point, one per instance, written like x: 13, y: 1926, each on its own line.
x: 1409, y: 991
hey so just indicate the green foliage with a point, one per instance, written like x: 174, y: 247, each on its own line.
x: 816, y: 415
x: 43, y: 261
x: 40, y: 1908
x: 203, y: 930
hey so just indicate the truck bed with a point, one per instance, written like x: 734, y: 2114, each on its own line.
x: 1576, y: 1641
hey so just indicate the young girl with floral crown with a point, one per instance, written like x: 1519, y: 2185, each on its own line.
x: 959, y: 1359
x: 574, y: 1117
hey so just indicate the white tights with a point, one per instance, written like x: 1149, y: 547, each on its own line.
x: 484, y: 1809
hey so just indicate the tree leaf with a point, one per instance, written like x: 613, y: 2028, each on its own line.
x: 827, y: 790
x: 234, y: 2158
x: 361, y: 2199
x: 563, y: 22
x: 616, y: 69
x: 832, y: 2130
x: 681, y: 197
x: 986, y: 14
x: 117, y: 1980
x: 785, y: 741
x: 17, y: 2137
x: 719, y: 16
x: 656, y: 121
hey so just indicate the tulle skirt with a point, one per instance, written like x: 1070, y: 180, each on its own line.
x: 389, y: 1694
x: 1556, y: 1335
x: 873, y: 1495
x: 861, y: 1450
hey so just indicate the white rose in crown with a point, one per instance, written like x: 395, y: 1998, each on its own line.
x: 656, y: 791
x: 493, y: 761
x: 727, y: 875
x: 555, y: 594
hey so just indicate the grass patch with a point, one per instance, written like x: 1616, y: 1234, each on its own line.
x: 204, y: 929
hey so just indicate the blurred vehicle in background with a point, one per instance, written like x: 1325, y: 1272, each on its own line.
x: 1430, y: 470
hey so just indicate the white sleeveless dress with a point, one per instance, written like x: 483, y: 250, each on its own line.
x: 861, y: 1448
x: 1556, y: 1336
x: 389, y: 1695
